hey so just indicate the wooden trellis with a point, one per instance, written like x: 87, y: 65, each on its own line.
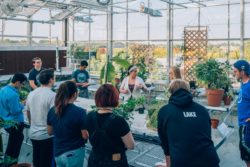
x: 139, y: 51
x: 195, y: 49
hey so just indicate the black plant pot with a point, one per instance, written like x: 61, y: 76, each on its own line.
x: 141, y: 110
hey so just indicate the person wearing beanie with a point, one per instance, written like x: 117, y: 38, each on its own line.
x: 242, y: 72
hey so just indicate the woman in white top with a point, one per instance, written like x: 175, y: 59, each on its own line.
x: 132, y: 85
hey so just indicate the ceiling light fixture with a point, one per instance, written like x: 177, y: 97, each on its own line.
x: 150, y: 11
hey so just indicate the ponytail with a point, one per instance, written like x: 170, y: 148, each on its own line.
x: 64, y: 94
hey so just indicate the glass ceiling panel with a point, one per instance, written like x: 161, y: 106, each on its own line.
x: 158, y: 4
x: 28, y: 11
x: 30, y: 7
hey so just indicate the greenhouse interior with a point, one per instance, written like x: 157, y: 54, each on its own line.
x: 142, y: 61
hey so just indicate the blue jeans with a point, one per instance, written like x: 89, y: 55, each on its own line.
x: 73, y: 158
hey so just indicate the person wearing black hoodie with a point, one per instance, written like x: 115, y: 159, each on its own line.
x: 184, y: 129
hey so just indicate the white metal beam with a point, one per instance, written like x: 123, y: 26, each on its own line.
x: 199, y: 3
x: 172, y: 3
x: 27, y: 20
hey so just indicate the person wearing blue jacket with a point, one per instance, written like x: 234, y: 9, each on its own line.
x: 242, y: 74
x: 11, y: 110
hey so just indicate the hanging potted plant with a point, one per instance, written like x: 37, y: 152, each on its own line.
x: 211, y: 74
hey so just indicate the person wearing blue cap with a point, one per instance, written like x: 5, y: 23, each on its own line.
x: 242, y: 72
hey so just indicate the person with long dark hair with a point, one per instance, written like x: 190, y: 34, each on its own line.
x: 110, y: 134
x: 66, y: 122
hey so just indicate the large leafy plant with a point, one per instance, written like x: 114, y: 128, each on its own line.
x: 211, y: 73
x: 110, y: 73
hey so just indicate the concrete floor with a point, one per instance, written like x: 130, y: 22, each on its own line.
x: 229, y: 152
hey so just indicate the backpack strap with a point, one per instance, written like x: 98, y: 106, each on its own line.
x: 105, y: 124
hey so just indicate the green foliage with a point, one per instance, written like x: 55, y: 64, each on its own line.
x: 127, y: 107
x: 153, y: 120
x: 24, y: 92
x: 78, y: 52
x: 125, y: 110
x: 153, y: 111
x: 143, y: 69
x: 123, y: 65
x: 211, y: 73
x: 110, y: 73
x: 2, y: 84
x: 7, y: 123
x: 229, y: 93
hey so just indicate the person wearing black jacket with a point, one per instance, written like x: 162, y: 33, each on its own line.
x: 184, y: 129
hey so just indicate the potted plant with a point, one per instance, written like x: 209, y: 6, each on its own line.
x: 215, y: 119
x: 214, y: 123
x: 228, y: 88
x: 212, y: 74
x: 228, y: 96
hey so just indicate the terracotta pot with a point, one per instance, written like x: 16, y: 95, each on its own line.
x: 214, y: 123
x: 227, y: 100
x: 214, y: 97
x: 22, y: 165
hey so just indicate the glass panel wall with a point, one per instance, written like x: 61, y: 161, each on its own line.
x: 247, y: 50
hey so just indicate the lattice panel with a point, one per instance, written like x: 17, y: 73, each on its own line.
x: 195, y: 49
x: 139, y: 51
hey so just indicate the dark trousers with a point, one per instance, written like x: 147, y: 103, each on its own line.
x: 42, y: 152
x: 15, y: 140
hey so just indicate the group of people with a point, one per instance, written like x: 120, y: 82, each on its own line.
x: 59, y: 129
x: 184, y: 126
